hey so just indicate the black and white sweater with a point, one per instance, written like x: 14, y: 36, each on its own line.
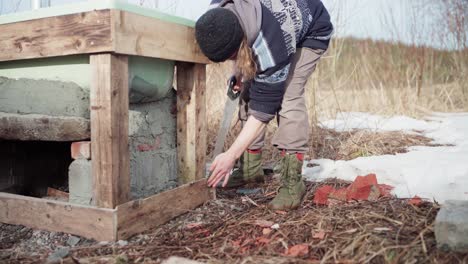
x: 275, y: 29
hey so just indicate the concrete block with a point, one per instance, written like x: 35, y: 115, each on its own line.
x: 81, y: 150
x: 451, y: 226
x: 45, y: 97
x: 152, y: 146
x: 80, y: 182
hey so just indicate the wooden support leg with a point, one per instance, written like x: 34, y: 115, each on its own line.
x: 109, y: 130
x: 191, y: 121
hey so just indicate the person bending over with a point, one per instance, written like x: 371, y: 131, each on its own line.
x: 276, y: 45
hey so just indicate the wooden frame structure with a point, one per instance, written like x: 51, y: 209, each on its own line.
x: 109, y: 37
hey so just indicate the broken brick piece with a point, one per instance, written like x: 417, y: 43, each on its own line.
x: 385, y: 190
x: 300, y: 250
x: 363, y: 188
x: 374, y: 193
x: 81, y: 150
x: 339, y: 194
x: 321, y: 195
x: 416, y: 201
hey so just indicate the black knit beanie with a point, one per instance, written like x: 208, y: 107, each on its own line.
x: 219, y: 34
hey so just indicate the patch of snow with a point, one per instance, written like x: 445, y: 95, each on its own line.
x: 355, y: 120
x: 439, y: 173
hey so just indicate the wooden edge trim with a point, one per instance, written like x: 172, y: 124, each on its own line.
x: 56, y: 216
x: 80, y: 33
x: 140, y: 215
x: 99, y: 31
x: 135, y: 34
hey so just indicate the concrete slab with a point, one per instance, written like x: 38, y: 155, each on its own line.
x: 54, y: 98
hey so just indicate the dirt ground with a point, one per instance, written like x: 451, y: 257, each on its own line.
x: 238, y: 228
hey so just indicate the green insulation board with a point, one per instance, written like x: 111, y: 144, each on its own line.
x: 149, y: 79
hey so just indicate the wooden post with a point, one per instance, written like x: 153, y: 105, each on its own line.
x: 109, y: 129
x: 191, y: 121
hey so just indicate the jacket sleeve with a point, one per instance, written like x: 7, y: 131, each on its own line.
x: 266, y: 93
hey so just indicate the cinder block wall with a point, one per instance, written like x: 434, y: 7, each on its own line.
x: 152, y: 146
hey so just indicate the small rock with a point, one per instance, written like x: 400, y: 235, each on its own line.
x: 236, y: 208
x: 103, y: 243
x: 244, y: 191
x: 311, y: 165
x: 179, y: 260
x: 275, y: 226
x: 73, y: 241
x: 58, y: 255
x: 52, y: 234
x: 218, y: 203
x: 451, y: 226
x: 122, y: 243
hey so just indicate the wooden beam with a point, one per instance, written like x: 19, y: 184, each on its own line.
x: 43, y: 128
x: 140, y: 35
x: 80, y: 33
x: 58, y: 216
x: 191, y: 121
x: 109, y: 129
x: 140, y: 215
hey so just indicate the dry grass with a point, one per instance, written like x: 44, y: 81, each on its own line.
x: 366, y: 76
x: 329, y: 144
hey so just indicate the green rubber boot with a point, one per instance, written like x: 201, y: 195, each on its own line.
x: 292, y: 188
x: 250, y: 170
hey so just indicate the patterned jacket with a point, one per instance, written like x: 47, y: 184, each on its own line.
x: 274, y: 30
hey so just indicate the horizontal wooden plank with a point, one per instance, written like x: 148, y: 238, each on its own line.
x: 58, y: 216
x: 140, y: 215
x: 144, y: 36
x: 109, y: 30
x: 43, y: 128
x: 87, y: 32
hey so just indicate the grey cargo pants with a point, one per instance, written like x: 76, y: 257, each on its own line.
x: 293, y: 121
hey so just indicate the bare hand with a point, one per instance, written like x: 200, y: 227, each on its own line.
x: 239, y: 86
x: 221, y: 169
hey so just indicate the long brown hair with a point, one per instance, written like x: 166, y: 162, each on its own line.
x: 245, y: 62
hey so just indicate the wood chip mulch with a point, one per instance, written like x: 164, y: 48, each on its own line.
x: 240, y: 229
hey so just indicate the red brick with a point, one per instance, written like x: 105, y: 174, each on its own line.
x: 362, y: 188
x: 81, y: 150
x: 321, y: 195
x: 386, y: 190
x: 339, y: 194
